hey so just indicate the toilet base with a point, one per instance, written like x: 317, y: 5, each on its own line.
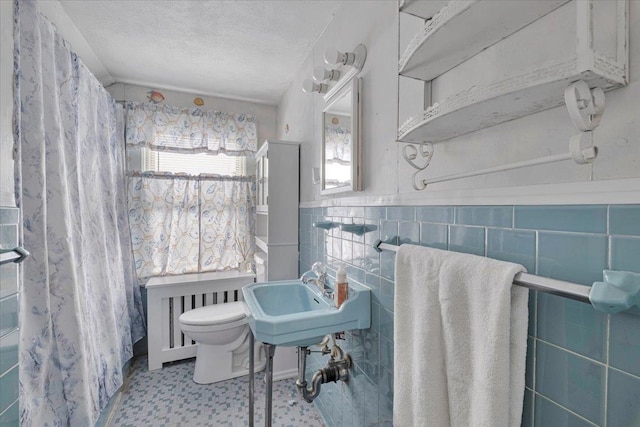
x: 222, y: 362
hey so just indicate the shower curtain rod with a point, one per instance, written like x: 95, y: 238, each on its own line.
x: 561, y: 288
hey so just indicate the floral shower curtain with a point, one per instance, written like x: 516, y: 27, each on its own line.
x: 183, y: 223
x: 80, y: 307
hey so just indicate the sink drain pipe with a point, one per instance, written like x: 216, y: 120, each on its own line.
x: 337, y: 369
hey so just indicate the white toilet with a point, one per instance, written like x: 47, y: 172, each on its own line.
x: 222, y: 334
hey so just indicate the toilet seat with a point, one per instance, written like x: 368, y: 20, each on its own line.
x: 214, y: 317
x: 214, y: 314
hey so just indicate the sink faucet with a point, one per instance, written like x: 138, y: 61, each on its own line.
x: 320, y: 270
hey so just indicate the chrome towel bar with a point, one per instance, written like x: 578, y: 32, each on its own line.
x: 619, y: 292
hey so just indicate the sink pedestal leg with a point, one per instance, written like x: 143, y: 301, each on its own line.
x: 251, y: 372
x: 270, y: 350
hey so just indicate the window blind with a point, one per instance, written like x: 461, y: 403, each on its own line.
x: 193, y: 164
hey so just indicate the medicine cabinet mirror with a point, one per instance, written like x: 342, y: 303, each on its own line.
x: 341, y: 151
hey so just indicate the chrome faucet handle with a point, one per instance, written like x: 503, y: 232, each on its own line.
x: 319, y: 268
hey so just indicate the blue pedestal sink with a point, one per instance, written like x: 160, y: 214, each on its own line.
x: 291, y: 313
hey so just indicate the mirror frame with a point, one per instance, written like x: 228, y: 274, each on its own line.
x: 356, y: 150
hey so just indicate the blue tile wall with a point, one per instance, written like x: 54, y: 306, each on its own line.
x: 9, y: 407
x: 434, y: 235
x: 8, y: 272
x: 401, y: 213
x: 467, y: 239
x: 442, y: 214
x: 512, y: 245
x: 574, y: 382
x: 624, y: 395
x: 625, y: 253
x: 624, y: 343
x: 549, y: 414
x: 494, y: 216
x: 9, y: 387
x: 625, y: 220
x: 583, y: 366
x: 11, y: 416
x: 8, y: 351
x: 572, y: 325
x: 586, y: 219
x: 573, y: 257
x: 527, y: 410
x: 8, y: 314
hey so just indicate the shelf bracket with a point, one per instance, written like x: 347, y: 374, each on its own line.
x: 585, y: 106
x: 326, y: 225
x: 358, y: 229
x: 410, y: 154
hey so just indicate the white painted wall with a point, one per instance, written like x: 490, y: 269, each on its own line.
x: 53, y: 10
x: 7, y: 197
x: 264, y: 114
x: 387, y: 177
x: 374, y: 25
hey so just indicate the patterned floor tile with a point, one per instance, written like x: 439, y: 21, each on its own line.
x: 169, y: 398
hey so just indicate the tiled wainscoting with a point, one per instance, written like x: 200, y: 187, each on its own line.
x: 8, y: 321
x: 583, y: 366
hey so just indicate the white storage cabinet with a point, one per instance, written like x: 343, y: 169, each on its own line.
x: 277, y: 174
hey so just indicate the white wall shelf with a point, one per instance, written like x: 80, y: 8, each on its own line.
x: 424, y: 9
x: 592, y: 46
x: 463, y: 28
x: 503, y: 101
x: 262, y: 242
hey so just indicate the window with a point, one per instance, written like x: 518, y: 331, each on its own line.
x: 193, y: 164
x: 191, y: 223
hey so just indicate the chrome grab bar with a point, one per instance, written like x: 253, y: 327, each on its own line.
x: 17, y: 255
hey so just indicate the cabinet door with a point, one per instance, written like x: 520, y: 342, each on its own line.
x: 265, y: 177
x: 261, y: 182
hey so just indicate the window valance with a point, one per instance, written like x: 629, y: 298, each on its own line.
x: 165, y: 127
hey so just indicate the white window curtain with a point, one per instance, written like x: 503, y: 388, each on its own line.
x: 80, y: 307
x: 190, y: 223
x: 166, y: 127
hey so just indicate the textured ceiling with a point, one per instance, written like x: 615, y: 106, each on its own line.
x: 237, y: 49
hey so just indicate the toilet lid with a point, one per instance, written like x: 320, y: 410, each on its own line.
x: 214, y: 314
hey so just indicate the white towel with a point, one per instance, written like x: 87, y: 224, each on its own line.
x: 460, y: 334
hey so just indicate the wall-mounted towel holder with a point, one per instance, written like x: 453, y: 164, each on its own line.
x: 16, y: 255
x: 585, y: 107
x: 619, y: 292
